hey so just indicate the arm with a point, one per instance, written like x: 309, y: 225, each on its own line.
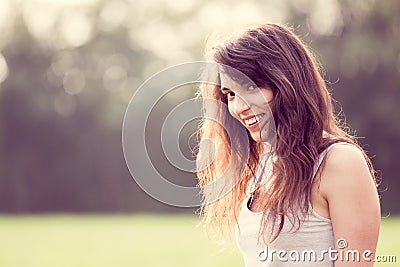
x: 354, y: 208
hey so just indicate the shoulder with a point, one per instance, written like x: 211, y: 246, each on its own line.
x: 350, y: 191
x: 344, y: 160
x: 346, y: 176
x: 345, y: 157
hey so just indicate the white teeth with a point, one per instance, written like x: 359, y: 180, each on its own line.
x: 253, y: 120
x: 250, y: 121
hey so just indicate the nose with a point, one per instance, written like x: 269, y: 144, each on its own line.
x: 240, y: 105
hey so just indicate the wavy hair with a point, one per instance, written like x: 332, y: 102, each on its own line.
x: 270, y: 55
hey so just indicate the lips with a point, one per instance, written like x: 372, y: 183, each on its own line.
x: 252, y: 122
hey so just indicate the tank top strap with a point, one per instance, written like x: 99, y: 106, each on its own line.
x: 323, y: 154
x: 263, y: 169
x: 266, y: 163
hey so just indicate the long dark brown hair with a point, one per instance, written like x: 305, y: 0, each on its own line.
x: 271, y: 55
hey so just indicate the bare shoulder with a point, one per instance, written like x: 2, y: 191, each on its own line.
x: 345, y: 155
x: 345, y: 166
x: 352, y: 197
x: 346, y: 178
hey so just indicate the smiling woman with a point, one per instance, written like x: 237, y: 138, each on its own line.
x: 253, y: 115
x: 306, y: 185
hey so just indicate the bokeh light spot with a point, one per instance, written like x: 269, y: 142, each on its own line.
x: 74, y: 81
x: 3, y: 68
x: 75, y: 29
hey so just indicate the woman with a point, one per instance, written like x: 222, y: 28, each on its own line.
x: 307, y: 194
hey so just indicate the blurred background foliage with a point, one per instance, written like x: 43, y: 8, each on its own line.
x: 68, y: 69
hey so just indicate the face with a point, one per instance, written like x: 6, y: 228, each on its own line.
x: 249, y: 105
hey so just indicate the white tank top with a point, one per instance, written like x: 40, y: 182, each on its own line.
x: 304, y: 247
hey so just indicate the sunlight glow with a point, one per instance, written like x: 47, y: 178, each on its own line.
x: 3, y: 69
x: 180, y: 6
x: 67, y: 3
x: 40, y: 20
x: 325, y: 17
x: 112, y: 15
x: 7, y: 18
x: 76, y: 29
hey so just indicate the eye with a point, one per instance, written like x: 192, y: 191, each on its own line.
x: 252, y: 87
x: 229, y: 94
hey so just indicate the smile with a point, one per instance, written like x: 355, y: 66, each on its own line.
x: 252, y: 123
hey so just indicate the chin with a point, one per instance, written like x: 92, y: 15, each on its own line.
x: 256, y: 137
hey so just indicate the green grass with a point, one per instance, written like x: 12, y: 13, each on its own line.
x: 128, y: 240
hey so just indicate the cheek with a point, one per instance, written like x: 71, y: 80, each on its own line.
x: 230, y: 107
x: 231, y: 110
x: 267, y: 94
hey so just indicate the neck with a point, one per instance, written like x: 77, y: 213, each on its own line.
x: 267, y: 148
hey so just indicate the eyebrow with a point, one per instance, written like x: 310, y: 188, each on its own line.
x: 225, y: 90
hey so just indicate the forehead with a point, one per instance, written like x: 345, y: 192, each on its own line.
x: 234, y: 81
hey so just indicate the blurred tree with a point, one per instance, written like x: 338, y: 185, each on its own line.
x: 67, y: 72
